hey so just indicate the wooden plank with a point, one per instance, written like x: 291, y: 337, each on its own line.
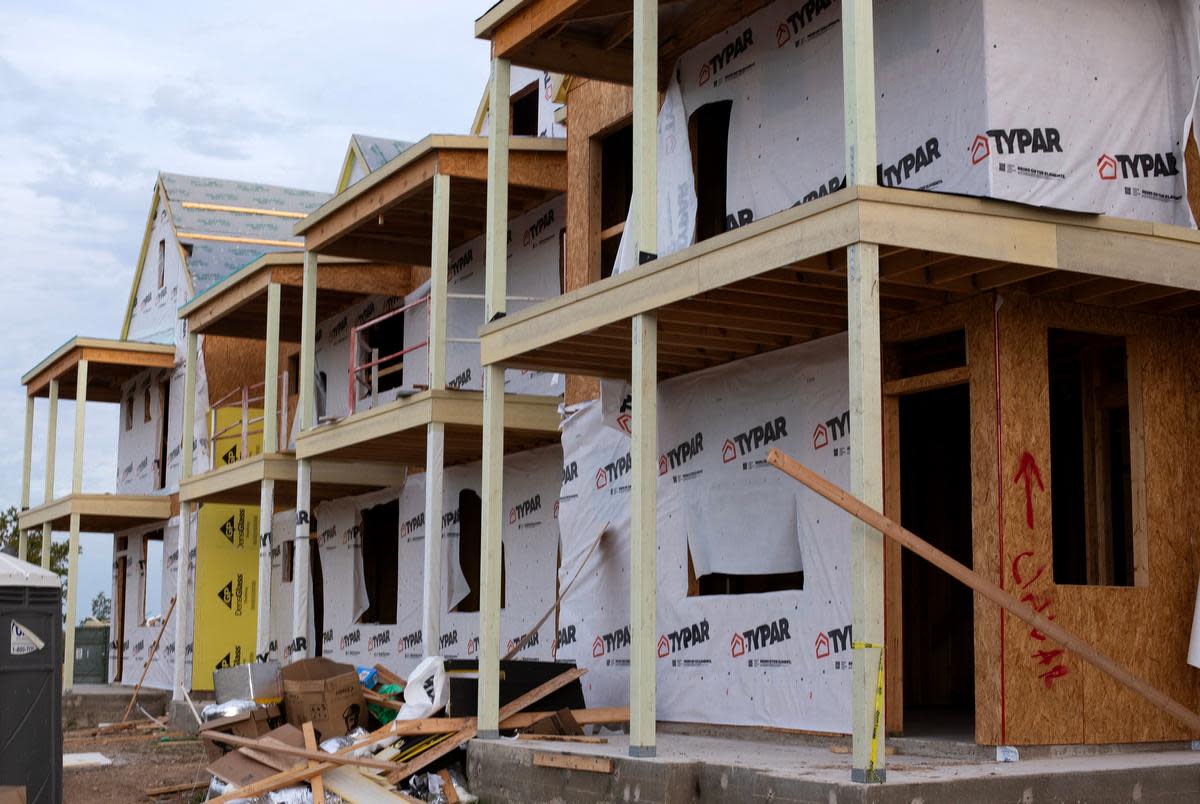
x: 322, y: 758
x: 508, y: 710
x: 927, y: 382
x: 548, y: 759
x: 988, y: 589
x: 316, y: 783
x: 564, y: 738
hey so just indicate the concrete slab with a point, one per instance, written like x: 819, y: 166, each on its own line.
x: 86, y: 706
x: 691, y: 768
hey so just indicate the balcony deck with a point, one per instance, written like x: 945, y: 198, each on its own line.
x: 782, y: 280
x: 100, y: 513
x: 395, y: 432
x: 240, y: 482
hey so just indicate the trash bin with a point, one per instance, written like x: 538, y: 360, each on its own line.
x: 30, y: 680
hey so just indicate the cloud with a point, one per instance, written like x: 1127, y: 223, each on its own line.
x: 97, y: 98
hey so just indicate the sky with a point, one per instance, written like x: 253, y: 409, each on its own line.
x: 97, y: 98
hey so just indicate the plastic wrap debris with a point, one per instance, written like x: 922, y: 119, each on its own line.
x: 368, y: 676
x: 300, y: 794
x: 335, y: 744
x: 216, y: 711
x: 427, y: 691
x: 431, y: 787
x: 385, y: 714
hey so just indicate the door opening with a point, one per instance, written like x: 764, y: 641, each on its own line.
x: 938, y: 619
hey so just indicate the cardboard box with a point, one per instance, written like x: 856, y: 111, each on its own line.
x: 326, y: 693
x: 239, y: 769
x: 260, y: 682
x: 12, y: 795
x: 254, y: 723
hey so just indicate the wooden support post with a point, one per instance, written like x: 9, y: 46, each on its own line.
x: 869, y: 514
x: 495, y: 306
x: 26, y: 466
x: 302, y: 570
x: 435, y: 437
x: 183, y: 561
x: 866, y: 398
x: 643, y: 531
x: 270, y: 424
x: 81, y: 379
x: 644, y: 449
x: 435, y: 445
x: 266, y: 512
x: 51, y: 450
x: 439, y: 275
x: 68, y: 672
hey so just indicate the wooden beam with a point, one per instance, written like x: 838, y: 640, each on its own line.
x: 870, y: 516
x: 492, y: 481
x: 26, y: 470
x: 266, y: 515
x: 927, y: 382
x: 435, y: 454
x: 68, y: 669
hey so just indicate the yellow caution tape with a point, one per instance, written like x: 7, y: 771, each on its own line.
x: 871, y: 776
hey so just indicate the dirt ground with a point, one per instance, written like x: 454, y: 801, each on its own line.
x: 139, y: 763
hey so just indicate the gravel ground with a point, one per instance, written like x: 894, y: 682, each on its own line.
x: 139, y: 763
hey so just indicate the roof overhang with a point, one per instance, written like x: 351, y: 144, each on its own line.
x: 388, y: 215
x: 111, y: 363
x: 593, y: 38
x: 237, y: 305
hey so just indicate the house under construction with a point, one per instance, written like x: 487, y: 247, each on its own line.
x: 481, y: 381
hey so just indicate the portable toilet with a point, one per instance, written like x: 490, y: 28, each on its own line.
x: 30, y: 680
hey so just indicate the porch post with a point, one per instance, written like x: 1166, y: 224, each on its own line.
x: 644, y: 447
x: 26, y: 463
x: 270, y: 445
x: 183, y: 559
x: 866, y: 402
x: 51, y: 448
x: 435, y: 437
x: 81, y: 379
x: 495, y: 305
x: 302, y: 571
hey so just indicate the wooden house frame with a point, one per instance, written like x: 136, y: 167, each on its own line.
x: 889, y: 266
x: 261, y: 303
x: 412, y: 211
x: 93, y: 370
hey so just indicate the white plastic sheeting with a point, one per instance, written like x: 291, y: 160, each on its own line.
x: 779, y: 658
x: 1030, y: 102
x: 534, y: 263
x: 531, y: 488
x: 138, y: 638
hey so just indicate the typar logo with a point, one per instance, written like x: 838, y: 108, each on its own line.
x: 350, y: 639
x: 980, y: 149
x: 798, y: 20
x: 607, y: 643
x: 410, y: 526
x: 1016, y: 141
x: 448, y: 639
x: 725, y: 56
x: 754, y: 438
x: 570, y: 472
x: 533, y: 233
x: 460, y: 263
x: 835, y: 640
x: 611, y: 472
x: 625, y: 415
x: 565, y: 636
x: 410, y: 641
x: 378, y: 640
x: 832, y: 430
x: 686, y: 637
x: 678, y: 456
x: 1138, y: 166
x: 523, y: 509
x: 760, y: 636
x: 911, y: 163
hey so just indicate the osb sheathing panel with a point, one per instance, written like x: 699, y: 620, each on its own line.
x: 1023, y: 696
x: 231, y: 364
x: 593, y: 109
x: 1191, y: 161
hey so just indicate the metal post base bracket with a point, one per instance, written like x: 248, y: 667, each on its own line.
x: 643, y: 751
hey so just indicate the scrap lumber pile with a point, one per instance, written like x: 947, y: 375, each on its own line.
x: 403, y: 760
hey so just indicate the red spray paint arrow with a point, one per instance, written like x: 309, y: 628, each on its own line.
x: 1029, y: 470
